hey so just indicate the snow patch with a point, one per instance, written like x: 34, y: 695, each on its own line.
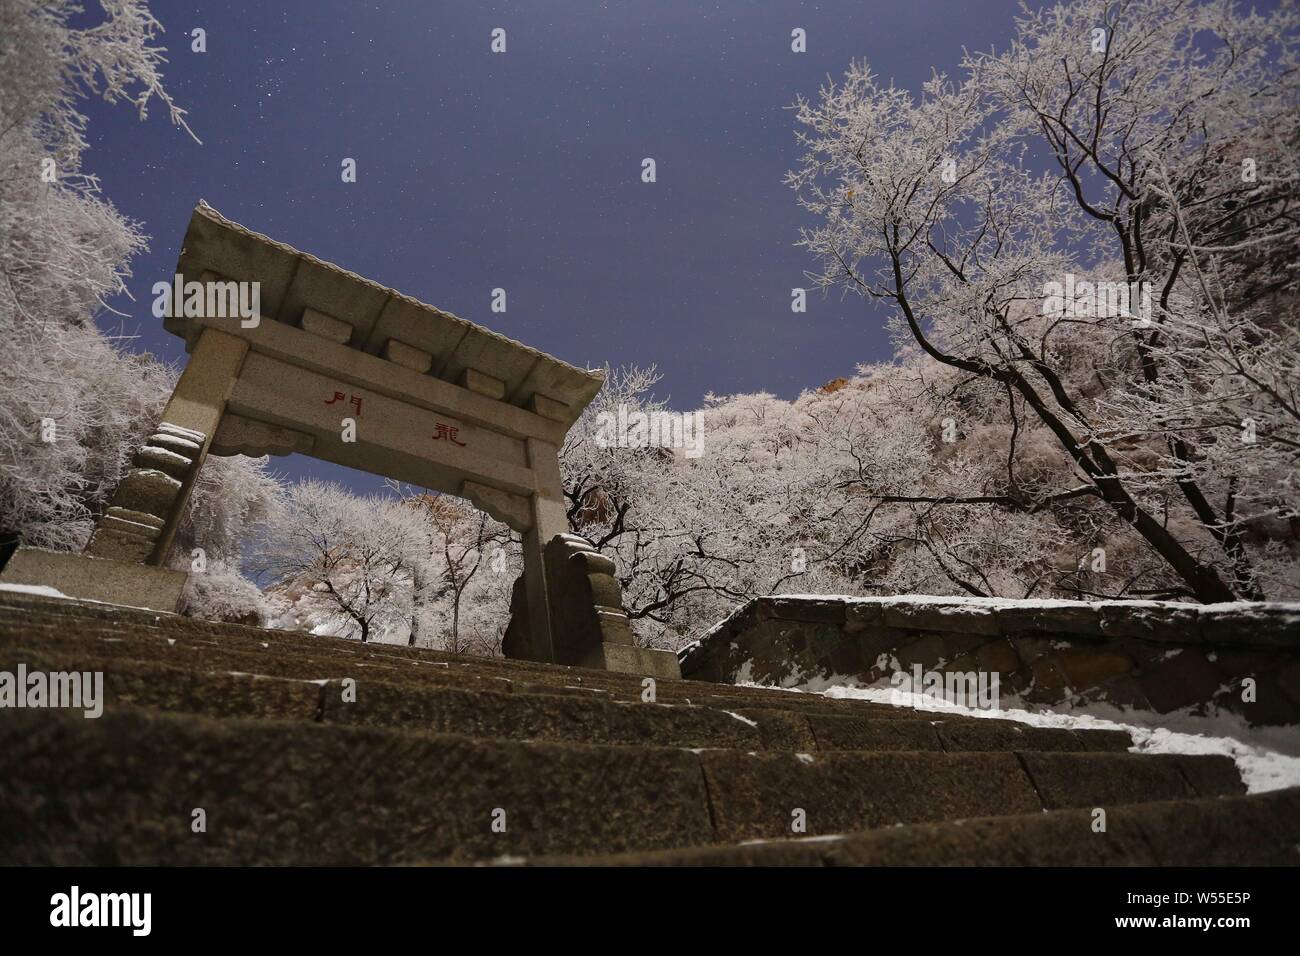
x: 44, y: 590
x: 822, y: 838
x: 992, y: 603
x: 1261, y: 766
x: 41, y: 589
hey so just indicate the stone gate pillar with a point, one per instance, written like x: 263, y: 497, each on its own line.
x: 141, y: 521
x: 546, y: 511
x: 567, y: 607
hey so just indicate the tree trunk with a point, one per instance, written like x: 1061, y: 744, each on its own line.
x: 1202, y: 580
x: 417, y: 592
x: 455, y: 624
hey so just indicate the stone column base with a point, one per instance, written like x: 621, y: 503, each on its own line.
x: 630, y: 659
x: 86, y: 578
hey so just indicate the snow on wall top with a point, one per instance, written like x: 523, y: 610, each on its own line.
x: 1269, y: 623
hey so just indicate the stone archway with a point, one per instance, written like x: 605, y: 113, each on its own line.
x: 335, y: 366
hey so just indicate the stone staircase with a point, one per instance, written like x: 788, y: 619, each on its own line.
x: 311, y: 750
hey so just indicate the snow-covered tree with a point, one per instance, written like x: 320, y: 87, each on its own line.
x: 72, y: 404
x: 634, y: 504
x: 693, y: 536
x: 1165, y: 128
x: 221, y: 592
x: 460, y: 552
x: 233, y: 502
x: 343, y: 564
x: 933, y: 491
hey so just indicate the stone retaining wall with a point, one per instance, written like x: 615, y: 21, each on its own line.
x: 1145, y: 655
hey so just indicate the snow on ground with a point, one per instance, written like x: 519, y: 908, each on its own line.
x: 44, y: 590
x: 41, y: 589
x: 1261, y: 766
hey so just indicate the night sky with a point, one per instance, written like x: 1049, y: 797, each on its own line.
x: 522, y: 170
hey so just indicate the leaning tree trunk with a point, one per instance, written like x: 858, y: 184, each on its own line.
x: 417, y: 592
x: 455, y: 624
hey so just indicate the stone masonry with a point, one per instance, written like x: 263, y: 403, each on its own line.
x: 1144, y: 655
x: 587, y: 616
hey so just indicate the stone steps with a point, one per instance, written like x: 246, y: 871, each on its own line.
x: 583, y: 717
x: 122, y: 789
x: 251, y: 726
x: 30, y: 626
x: 1258, y: 830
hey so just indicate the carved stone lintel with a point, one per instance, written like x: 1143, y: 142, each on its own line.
x: 237, y: 435
x: 509, y: 509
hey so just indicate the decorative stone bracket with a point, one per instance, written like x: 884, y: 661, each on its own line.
x: 513, y: 510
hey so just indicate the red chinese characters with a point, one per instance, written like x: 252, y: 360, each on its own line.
x: 447, y: 433
x: 340, y: 397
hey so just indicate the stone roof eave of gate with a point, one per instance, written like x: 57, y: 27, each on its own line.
x: 292, y: 281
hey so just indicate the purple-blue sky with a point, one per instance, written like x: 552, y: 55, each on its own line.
x: 522, y: 170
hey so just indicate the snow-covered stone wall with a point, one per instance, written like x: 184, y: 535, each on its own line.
x: 1162, y: 657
